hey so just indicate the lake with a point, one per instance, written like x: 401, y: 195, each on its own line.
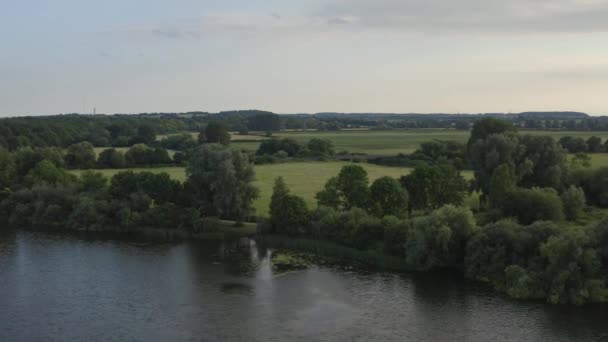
x: 64, y: 288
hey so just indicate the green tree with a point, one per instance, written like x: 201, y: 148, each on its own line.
x: 111, y: 159
x: 433, y: 186
x: 8, y: 169
x: 220, y: 181
x: 388, y: 197
x: 93, y: 182
x: 217, y: 132
x: 502, y: 183
x: 80, y: 156
x: 348, y: 190
x: 439, y: 240
x: 46, y: 172
x: 574, y: 202
x: 320, y: 147
x: 594, y: 144
x: 288, y: 213
x: 485, y: 127
x: 330, y: 195
x: 536, y: 204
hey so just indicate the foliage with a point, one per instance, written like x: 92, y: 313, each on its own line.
x: 8, y: 169
x: 111, y: 159
x: 141, y: 154
x: 433, y: 186
x: 320, y: 147
x: 388, y: 197
x: 503, y: 181
x: 288, y: 213
x: 216, y: 132
x: 80, y: 156
x: 348, y: 190
x: 273, y: 146
x: 530, y: 205
x: 178, y: 142
x: 219, y: 180
x: 573, y: 200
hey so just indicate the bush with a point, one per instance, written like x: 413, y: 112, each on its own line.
x: 536, y: 204
x: 573, y: 200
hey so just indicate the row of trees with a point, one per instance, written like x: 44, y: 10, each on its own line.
x: 287, y: 147
x: 38, y: 193
x: 579, y: 145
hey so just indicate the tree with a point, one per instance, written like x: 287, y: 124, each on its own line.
x: 485, y: 127
x: 80, y: 156
x: 273, y: 146
x: 536, y: 204
x: 8, y: 169
x: 217, y: 132
x: 574, y: 202
x: 46, y: 172
x: 330, y: 195
x: 439, y: 240
x: 320, y: 147
x: 348, y: 190
x: 431, y: 187
x: 502, y: 183
x: 220, y: 181
x: 573, y: 145
x: 111, y: 159
x: 288, y: 213
x: 264, y: 122
x: 388, y: 197
x: 594, y: 144
x: 93, y: 182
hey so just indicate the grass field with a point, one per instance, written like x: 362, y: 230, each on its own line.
x: 386, y: 143
x: 305, y: 179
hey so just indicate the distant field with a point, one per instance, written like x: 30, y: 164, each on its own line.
x: 598, y: 160
x: 386, y: 143
x: 98, y: 150
x: 379, y: 142
x: 305, y: 179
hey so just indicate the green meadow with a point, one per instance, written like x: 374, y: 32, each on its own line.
x: 384, y: 143
x: 304, y: 178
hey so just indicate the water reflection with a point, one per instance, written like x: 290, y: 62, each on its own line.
x: 70, y: 289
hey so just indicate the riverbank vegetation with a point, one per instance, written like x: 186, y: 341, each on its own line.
x: 537, y: 229
x: 524, y: 240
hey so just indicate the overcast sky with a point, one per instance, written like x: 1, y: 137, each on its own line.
x: 287, y: 56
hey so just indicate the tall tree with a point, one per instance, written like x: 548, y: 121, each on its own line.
x: 433, y: 186
x: 220, y: 181
x: 388, y: 197
x: 80, y: 156
x: 216, y: 132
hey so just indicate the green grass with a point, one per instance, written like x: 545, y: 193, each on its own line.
x: 304, y: 179
x: 599, y: 160
x: 98, y: 150
x: 379, y: 142
x: 385, y: 143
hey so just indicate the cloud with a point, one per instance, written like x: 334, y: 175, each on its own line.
x: 473, y: 15
x: 409, y: 16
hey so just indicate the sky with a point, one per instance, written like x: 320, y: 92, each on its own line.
x: 303, y: 56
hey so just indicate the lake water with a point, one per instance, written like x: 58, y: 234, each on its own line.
x: 57, y: 288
